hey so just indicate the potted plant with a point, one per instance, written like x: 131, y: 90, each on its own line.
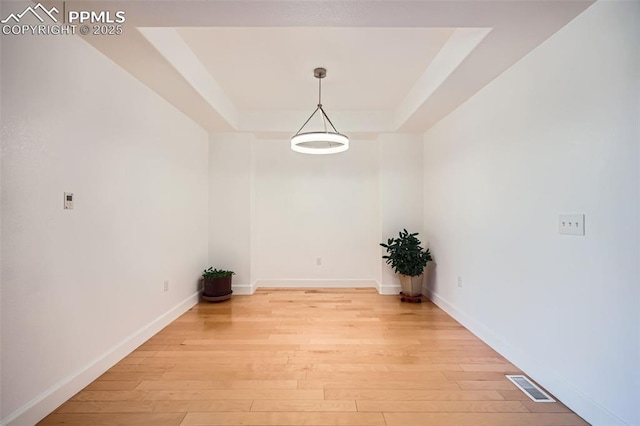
x: 408, y: 259
x: 217, y: 284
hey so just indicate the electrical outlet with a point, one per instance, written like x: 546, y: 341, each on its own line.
x: 166, y: 285
x: 571, y: 224
x: 459, y: 281
x: 318, y: 261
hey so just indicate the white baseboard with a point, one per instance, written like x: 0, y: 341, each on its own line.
x: 389, y: 289
x: 243, y: 289
x: 572, y: 397
x: 39, y: 407
x: 248, y: 289
x: 347, y: 283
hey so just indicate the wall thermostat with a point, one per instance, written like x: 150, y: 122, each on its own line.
x: 68, y: 201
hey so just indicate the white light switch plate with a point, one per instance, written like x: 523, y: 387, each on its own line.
x: 571, y: 224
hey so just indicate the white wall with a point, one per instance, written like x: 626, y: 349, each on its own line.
x: 1, y: 209
x: 400, y: 195
x: 315, y: 206
x: 557, y: 133
x: 274, y: 212
x: 82, y: 287
x: 230, y: 206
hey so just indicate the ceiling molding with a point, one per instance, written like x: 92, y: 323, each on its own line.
x: 172, y: 47
x: 489, y: 37
x: 458, y: 47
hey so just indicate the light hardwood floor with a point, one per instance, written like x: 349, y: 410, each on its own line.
x: 311, y: 357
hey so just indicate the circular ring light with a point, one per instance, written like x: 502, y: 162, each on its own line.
x: 319, y: 143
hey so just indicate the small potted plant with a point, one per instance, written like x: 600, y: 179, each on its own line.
x: 217, y: 284
x: 408, y: 259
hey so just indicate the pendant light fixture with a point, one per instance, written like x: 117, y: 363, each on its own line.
x: 319, y: 142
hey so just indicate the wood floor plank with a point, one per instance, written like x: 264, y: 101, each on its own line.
x: 177, y: 361
x: 547, y: 407
x: 234, y: 375
x: 231, y: 356
x: 184, y: 356
x: 218, y: 344
x: 467, y: 359
x: 89, y: 395
x: 300, y: 405
x: 131, y: 375
x: 501, y: 367
x: 373, y: 383
x: 190, y: 395
x: 311, y: 357
x: 342, y: 359
x: 115, y: 419
x: 487, y: 384
x: 106, y: 407
x: 474, y: 375
x: 514, y: 395
x: 209, y: 367
x: 413, y: 395
x: 483, y: 419
x: 356, y: 376
x: 442, y: 406
x: 285, y: 419
x: 153, y: 406
x: 124, y: 361
x: 218, y: 384
x: 373, y: 341
x: 113, y: 385
x: 200, y: 406
x: 386, y: 367
x: 138, y: 368
x: 140, y: 353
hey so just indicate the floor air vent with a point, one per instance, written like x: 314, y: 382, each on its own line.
x: 530, y: 388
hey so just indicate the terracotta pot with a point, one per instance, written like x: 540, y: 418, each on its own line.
x: 411, y: 286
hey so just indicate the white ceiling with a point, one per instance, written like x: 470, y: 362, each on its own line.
x: 272, y: 68
x: 392, y: 65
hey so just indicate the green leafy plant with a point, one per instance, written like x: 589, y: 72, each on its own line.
x: 405, y: 255
x: 216, y: 273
